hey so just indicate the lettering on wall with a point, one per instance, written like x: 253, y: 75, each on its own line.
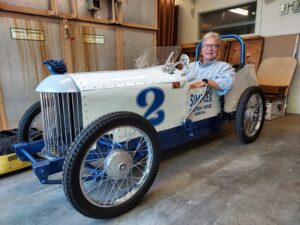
x: 27, y: 34
x: 93, y: 39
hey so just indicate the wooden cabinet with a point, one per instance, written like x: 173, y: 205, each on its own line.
x: 89, y: 45
x: 24, y: 45
x: 32, y: 31
x: 134, y: 42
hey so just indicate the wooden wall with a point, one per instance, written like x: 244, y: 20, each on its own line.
x: 21, y: 62
x: 131, y: 50
x: 108, y: 39
x: 132, y: 13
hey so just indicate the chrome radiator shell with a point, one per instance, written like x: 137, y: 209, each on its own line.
x: 62, y: 121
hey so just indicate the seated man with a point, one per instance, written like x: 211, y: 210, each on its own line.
x: 216, y: 74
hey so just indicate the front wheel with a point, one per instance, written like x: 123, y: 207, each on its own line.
x: 250, y: 114
x: 111, y: 165
x: 30, y: 126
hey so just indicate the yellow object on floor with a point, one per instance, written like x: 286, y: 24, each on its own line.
x: 10, y: 163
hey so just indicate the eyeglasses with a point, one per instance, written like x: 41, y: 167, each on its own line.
x: 213, y: 46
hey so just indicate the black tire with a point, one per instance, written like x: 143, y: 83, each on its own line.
x: 245, y: 113
x: 26, y: 133
x: 77, y: 162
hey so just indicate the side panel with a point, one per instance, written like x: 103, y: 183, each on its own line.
x: 208, y: 107
x: 245, y: 78
x: 178, y: 135
x: 164, y: 105
x: 160, y: 103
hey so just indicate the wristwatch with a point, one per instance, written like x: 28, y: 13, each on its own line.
x: 205, y: 81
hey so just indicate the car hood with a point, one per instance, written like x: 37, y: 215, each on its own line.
x: 106, y: 79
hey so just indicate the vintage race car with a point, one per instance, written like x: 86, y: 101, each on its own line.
x: 105, y: 130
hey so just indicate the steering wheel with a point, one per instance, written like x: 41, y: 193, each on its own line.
x: 169, y: 67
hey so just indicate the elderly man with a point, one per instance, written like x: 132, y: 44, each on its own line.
x: 216, y: 74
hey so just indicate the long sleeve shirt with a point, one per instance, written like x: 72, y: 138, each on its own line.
x: 221, y: 72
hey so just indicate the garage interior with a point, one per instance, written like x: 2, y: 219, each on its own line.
x: 213, y: 180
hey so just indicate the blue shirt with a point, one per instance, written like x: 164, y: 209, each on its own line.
x: 221, y: 72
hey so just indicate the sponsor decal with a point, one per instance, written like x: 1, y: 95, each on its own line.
x: 206, y: 102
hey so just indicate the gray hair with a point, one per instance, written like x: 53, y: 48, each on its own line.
x: 212, y: 35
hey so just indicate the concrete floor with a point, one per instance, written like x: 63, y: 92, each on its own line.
x: 217, y: 180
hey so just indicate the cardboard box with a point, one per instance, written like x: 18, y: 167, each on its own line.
x: 275, y: 106
x: 274, y: 78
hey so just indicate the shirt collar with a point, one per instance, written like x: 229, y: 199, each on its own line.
x: 207, y: 64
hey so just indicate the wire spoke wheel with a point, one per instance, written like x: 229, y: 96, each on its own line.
x: 110, y: 176
x: 111, y: 165
x: 253, y: 115
x: 250, y: 115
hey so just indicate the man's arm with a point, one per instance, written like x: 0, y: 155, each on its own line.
x: 210, y: 83
x: 222, y: 80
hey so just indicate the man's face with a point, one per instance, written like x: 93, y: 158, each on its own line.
x: 210, y: 49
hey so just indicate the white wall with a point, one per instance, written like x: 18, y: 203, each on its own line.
x: 293, y: 104
x: 272, y: 23
x: 188, y: 18
x: 186, y: 15
x: 205, y: 5
x: 269, y: 22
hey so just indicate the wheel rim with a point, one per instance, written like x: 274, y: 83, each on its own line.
x: 116, y: 166
x: 35, y: 128
x: 253, y: 115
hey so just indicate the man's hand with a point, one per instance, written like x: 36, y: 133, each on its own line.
x: 197, y: 84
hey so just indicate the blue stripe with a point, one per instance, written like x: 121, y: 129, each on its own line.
x: 179, y: 135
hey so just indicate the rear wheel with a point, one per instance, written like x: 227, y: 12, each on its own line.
x: 30, y: 127
x: 250, y: 114
x: 111, y: 165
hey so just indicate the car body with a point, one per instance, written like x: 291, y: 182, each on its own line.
x: 108, y: 128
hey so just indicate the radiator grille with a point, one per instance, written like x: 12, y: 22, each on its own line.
x: 62, y: 122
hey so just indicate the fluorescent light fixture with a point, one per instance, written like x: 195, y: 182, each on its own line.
x: 240, y: 11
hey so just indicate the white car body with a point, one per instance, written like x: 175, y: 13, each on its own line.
x: 105, y: 92
x: 106, y: 129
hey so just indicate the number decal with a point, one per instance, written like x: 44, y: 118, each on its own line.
x: 153, y: 113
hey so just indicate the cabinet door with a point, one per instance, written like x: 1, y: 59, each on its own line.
x: 24, y: 45
x: 135, y: 42
x: 93, y: 47
x: 140, y: 13
x: 104, y: 13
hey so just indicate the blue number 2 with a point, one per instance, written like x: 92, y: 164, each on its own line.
x: 152, y: 113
